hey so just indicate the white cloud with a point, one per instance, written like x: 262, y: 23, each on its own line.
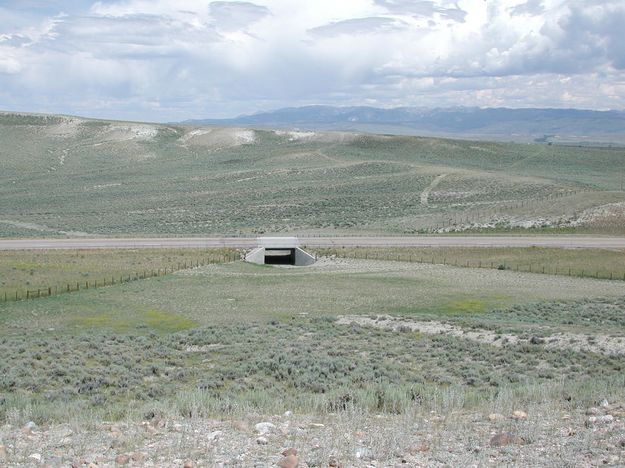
x: 198, y: 58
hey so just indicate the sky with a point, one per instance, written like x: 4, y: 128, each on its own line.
x: 171, y: 60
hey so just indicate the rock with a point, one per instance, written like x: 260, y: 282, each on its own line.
x: 122, y: 459
x: 592, y: 411
x: 316, y: 425
x: 289, y: 451
x: 604, y: 403
x: 78, y: 463
x: 519, y: 415
x: 188, y: 464
x: 288, y: 414
x: 612, y: 460
x: 333, y: 462
x: 597, y: 420
x: 31, y: 425
x: 138, y: 457
x: 3, y: 453
x: 494, y: 417
x: 262, y: 440
x: 290, y: 461
x: 36, y: 457
x: 213, y: 436
x: 505, y: 438
x: 264, y: 427
x: 363, y: 453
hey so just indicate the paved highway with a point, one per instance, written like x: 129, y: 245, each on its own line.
x: 388, y: 241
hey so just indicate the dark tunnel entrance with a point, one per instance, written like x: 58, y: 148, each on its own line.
x: 279, y: 256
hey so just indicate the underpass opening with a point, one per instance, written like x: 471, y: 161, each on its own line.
x: 279, y: 256
x: 279, y: 251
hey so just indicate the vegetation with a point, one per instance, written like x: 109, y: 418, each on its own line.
x: 60, y: 270
x: 115, y: 178
x: 596, y: 263
x: 231, y: 337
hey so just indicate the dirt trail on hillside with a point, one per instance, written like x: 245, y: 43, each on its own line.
x: 426, y: 193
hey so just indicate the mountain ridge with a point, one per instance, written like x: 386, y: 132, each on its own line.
x: 500, y: 123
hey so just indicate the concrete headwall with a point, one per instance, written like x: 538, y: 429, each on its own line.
x: 301, y: 257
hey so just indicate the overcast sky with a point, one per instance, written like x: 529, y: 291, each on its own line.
x: 164, y: 60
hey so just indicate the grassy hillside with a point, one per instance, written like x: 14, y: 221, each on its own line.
x: 72, y: 176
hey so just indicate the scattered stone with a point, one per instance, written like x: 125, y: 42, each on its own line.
x: 363, y: 453
x: 213, y: 436
x: 290, y: 461
x: 612, y: 460
x: 138, y: 457
x: 31, y: 425
x: 264, y: 427
x: 188, y: 464
x: 519, y: 415
x: 262, y: 440
x: 36, y: 457
x: 334, y: 462
x: 289, y: 451
x: 505, y: 438
x: 122, y: 459
x: 494, y: 417
x: 596, y: 420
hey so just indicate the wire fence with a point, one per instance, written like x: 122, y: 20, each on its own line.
x: 531, y: 267
x: 112, y: 280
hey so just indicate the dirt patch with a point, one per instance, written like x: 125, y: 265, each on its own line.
x: 39, y: 227
x: 426, y: 193
x: 595, y: 343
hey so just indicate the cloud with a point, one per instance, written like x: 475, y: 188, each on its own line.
x: 423, y: 8
x: 9, y: 65
x: 368, y: 26
x: 176, y: 59
x: 236, y: 15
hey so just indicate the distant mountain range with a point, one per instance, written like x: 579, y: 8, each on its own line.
x: 525, y: 125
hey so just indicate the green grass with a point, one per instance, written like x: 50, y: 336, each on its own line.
x: 102, y: 177
x: 56, y: 269
x: 230, y: 337
x: 596, y: 263
x: 153, y: 320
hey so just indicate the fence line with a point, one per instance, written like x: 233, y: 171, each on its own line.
x: 536, y: 267
x: 27, y: 294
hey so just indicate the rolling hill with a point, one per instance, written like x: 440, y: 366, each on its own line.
x: 73, y: 176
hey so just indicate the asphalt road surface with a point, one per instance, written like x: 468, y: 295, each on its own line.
x: 388, y: 241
